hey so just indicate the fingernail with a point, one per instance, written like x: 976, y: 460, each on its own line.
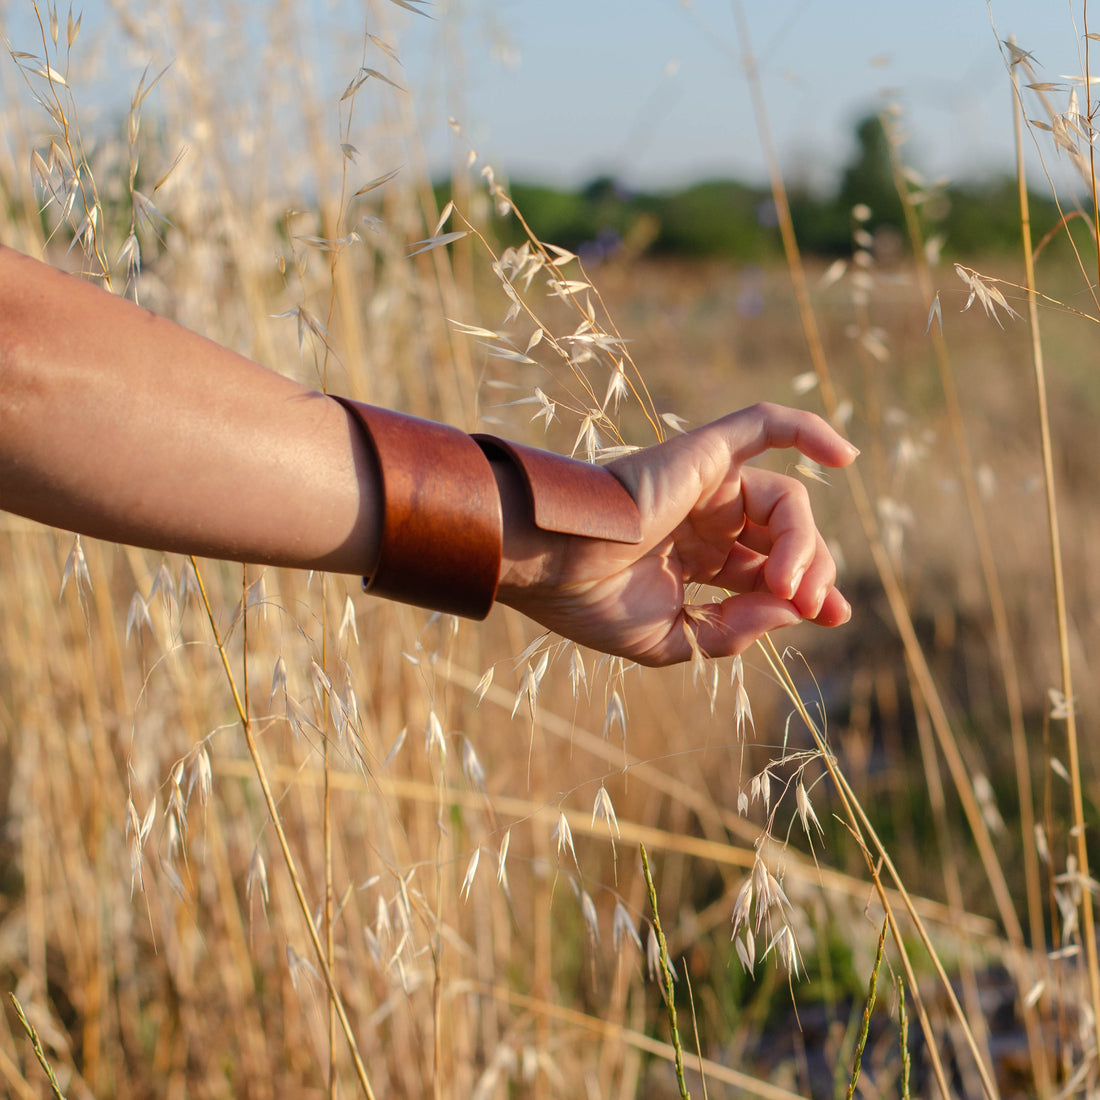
x: 853, y: 448
x: 796, y: 581
x: 817, y: 601
x: 846, y: 612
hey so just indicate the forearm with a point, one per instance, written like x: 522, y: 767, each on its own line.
x: 122, y: 425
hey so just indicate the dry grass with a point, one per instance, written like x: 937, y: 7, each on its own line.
x: 264, y: 837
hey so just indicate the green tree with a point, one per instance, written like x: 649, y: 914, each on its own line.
x: 868, y: 177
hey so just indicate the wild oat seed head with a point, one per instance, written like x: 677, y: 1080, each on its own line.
x: 435, y: 739
x: 806, y: 810
x: 471, y: 872
x: 138, y: 616
x: 623, y: 929
x: 348, y: 622
x: 471, y: 766
x: 588, y: 911
x: 1060, y: 710
x: 395, y: 748
x: 302, y: 972
x: 322, y: 685
x: 578, y: 676
x: 615, y: 715
x: 761, y: 787
x: 202, y: 775
x: 383, y: 929
x: 653, y: 960
x: 745, y: 947
x: 563, y: 838
x: 984, y: 291
x: 604, y: 810
x: 1041, y: 844
x: 743, y: 905
x: 76, y: 565
x: 502, y: 859
x: 742, y: 711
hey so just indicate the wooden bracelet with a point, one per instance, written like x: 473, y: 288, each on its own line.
x: 442, y: 527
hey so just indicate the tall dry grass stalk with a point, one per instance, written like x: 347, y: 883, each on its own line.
x: 1088, y: 932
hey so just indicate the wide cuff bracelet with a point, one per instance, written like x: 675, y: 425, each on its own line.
x: 442, y: 528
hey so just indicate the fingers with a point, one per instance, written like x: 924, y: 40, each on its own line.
x: 765, y: 426
x: 774, y: 545
x: 747, y: 530
x: 700, y: 472
x: 835, y: 610
x: 780, y: 508
x: 816, y: 598
x: 739, y: 621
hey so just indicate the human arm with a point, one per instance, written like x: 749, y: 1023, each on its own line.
x: 121, y: 425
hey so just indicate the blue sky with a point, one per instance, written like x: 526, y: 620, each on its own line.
x: 652, y: 91
x: 655, y: 91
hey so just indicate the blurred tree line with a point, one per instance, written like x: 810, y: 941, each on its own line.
x: 727, y: 218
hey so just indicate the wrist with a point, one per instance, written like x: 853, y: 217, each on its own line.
x: 466, y: 519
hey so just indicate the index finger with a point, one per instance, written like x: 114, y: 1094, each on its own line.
x: 766, y: 426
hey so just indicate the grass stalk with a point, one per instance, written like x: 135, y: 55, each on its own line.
x: 1006, y: 656
x: 1043, y: 416
x: 695, y: 1032
x: 994, y: 589
x: 950, y: 862
x: 895, y: 596
x: 666, y: 974
x: 868, y: 1008
x: 892, y: 588
x: 36, y: 1044
x: 903, y: 1020
x: 596, y: 1025
x: 1087, y: 39
x: 774, y: 660
x: 721, y: 854
x: 284, y: 845
x: 326, y: 829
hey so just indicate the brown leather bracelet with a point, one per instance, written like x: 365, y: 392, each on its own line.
x: 442, y: 528
x: 569, y: 496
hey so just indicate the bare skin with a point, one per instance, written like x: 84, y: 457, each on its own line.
x: 122, y: 425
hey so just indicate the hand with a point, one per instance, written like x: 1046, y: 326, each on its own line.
x: 707, y: 519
